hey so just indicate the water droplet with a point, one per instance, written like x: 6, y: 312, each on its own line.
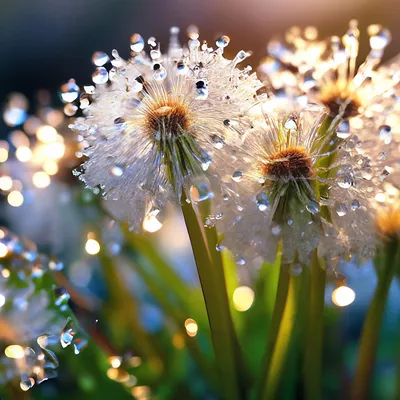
x: 61, y: 296
x: 379, y: 37
x: 313, y: 207
x: 341, y: 210
x: 100, y: 76
x: 385, y: 134
x: 67, y: 334
x: 343, y: 131
x: 100, y: 58
x: 355, y: 204
x: 276, y: 230
x: 79, y: 345
x: 218, y: 142
x: 296, y: 270
x: 345, y: 181
x: 116, y: 170
x: 160, y: 73
x: 151, y: 41
x: 240, y: 260
x: 137, y: 43
x: 70, y: 109
x: 27, y: 384
x: 262, y: 201
x: 201, y: 192
x: 69, y: 91
x: 223, y: 41
x: 290, y: 124
x: 237, y: 175
x: 193, y: 32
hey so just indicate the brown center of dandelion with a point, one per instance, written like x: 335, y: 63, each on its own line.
x: 290, y: 163
x: 340, y: 101
x: 168, y: 120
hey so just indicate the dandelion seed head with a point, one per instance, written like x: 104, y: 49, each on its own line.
x: 290, y: 162
x: 161, y: 118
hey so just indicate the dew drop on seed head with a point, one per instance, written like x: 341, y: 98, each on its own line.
x: 223, y: 41
x: 276, y: 230
x: 345, y: 181
x: 100, y: 58
x: 343, y: 131
x: 237, y: 175
x: 137, y: 43
x: 117, y: 170
x: 262, y: 201
x: 355, y: 204
x: 341, y: 210
x: 296, y: 269
x: 69, y: 91
x: 67, y: 334
x: 312, y: 207
x: 385, y: 134
x: 100, y: 76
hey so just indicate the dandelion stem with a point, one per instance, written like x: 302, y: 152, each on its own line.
x: 386, y: 263
x: 279, y: 307
x: 213, y: 285
x: 285, y: 340
x: 314, y: 340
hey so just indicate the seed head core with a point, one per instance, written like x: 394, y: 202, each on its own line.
x: 293, y: 162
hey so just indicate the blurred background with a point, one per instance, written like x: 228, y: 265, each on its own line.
x: 46, y: 42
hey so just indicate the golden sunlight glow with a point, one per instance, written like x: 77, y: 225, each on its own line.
x: 46, y: 134
x: 3, y: 154
x: 5, y: 273
x: 50, y: 167
x: 23, y: 154
x: 41, y: 179
x: 343, y: 296
x: 243, y: 298
x: 3, y: 250
x: 115, y: 361
x: 92, y: 247
x: 191, y: 327
x: 5, y: 183
x: 14, y: 351
x: 15, y: 198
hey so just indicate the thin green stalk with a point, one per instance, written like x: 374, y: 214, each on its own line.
x: 217, y: 304
x: 285, y: 340
x: 279, y: 307
x: 314, y: 339
x: 386, y: 266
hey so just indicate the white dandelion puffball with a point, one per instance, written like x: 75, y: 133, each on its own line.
x: 302, y: 185
x: 159, y: 120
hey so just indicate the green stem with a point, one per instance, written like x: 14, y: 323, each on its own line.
x: 217, y: 304
x: 285, y: 339
x: 279, y: 307
x: 314, y: 340
x: 386, y: 266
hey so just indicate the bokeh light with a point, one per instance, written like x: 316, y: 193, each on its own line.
x: 343, y: 296
x: 243, y: 298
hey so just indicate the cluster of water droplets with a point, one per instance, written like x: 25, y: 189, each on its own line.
x: 34, y: 311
